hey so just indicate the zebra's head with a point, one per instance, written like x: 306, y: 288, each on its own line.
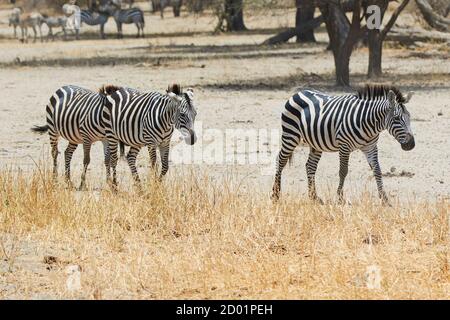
x: 398, y: 121
x: 185, y: 113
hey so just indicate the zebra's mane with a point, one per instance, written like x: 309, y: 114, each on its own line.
x: 107, y: 90
x: 371, y: 91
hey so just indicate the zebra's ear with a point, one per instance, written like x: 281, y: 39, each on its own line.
x: 174, y: 97
x: 409, y: 96
x: 392, y: 97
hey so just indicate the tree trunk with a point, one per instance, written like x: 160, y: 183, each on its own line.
x: 305, y: 13
x: 338, y: 29
x: 234, y: 15
x: 375, y: 54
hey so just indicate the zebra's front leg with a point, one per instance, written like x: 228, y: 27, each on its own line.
x: 344, y: 155
x: 311, y: 167
x: 164, y: 153
x: 131, y: 159
x: 67, y: 159
x: 372, y: 158
x: 86, y: 160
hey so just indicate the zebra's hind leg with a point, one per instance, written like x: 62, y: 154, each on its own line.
x: 311, y: 167
x: 86, y: 160
x: 107, y: 160
x: 112, y: 146
x: 288, y: 144
x: 344, y: 155
x: 54, y: 146
x: 164, y: 153
x: 372, y: 158
x: 152, y: 155
x: 131, y: 159
x: 68, y: 158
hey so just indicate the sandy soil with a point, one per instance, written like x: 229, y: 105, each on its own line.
x: 238, y: 85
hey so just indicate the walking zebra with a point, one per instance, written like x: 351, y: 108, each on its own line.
x: 75, y: 114
x: 55, y: 22
x: 93, y: 18
x: 342, y: 124
x: 148, y: 119
x: 127, y: 16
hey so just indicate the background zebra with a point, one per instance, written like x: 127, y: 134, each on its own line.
x: 93, y: 18
x: 55, y: 22
x: 148, y: 119
x: 343, y: 124
x: 127, y: 16
x: 75, y: 114
x: 160, y: 5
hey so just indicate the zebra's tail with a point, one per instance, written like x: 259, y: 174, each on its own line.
x: 122, y: 149
x: 40, y: 129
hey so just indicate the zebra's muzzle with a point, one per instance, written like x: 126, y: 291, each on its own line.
x: 190, y: 138
x: 409, y: 145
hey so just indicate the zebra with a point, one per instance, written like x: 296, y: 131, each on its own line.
x: 93, y: 18
x: 160, y: 5
x: 55, y: 22
x: 33, y: 20
x: 342, y: 124
x: 14, y: 20
x: 148, y: 119
x: 127, y: 16
x: 75, y: 114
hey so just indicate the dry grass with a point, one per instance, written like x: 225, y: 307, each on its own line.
x: 199, y: 239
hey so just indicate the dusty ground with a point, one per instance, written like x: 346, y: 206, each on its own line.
x: 238, y: 85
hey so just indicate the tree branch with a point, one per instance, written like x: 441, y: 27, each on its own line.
x: 394, y: 17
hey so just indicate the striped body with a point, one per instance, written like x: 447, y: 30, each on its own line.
x: 95, y: 18
x: 325, y: 122
x: 141, y: 119
x: 342, y: 124
x: 128, y: 16
x: 75, y: 114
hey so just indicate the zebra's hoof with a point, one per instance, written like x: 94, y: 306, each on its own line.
x: 319, y: 201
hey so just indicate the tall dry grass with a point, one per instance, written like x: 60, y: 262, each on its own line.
x: 192, y: 237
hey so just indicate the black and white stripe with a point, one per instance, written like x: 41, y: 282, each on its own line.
x: 126, y: 16
x: 148, y: 119
x: 93, y: 18
x: 342, y: 124
x: 75, y: 114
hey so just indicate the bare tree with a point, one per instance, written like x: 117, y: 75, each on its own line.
x: 343, y: 35
x: 377, y: 36
x: 433, y: 18
x: 305, y: 13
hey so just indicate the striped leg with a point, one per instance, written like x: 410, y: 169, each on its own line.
x: 311, y: 167
x: 288, y: 144
x: 152, y: 155
x: 86, y: 160
x: 131, y: 159
x: 372, y: 159
x: 113, y: 160
x: 54, y: 145
x: 68, y: 158
x: 164, y: 152
x: 107, y: 159
x: 344, y: 155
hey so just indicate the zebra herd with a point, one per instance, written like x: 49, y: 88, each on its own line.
x: 95, y: 16
x: 120, y: 116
